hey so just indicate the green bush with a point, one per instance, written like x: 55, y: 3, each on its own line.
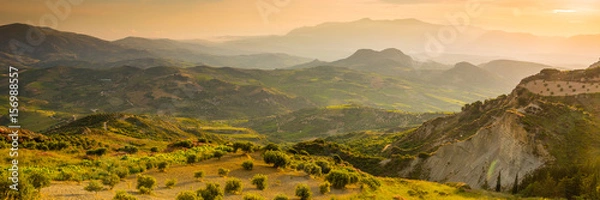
x: 186, y: 195
x: 39, y: 180
x: 212, y: 191
x: 121, y: 172
x: 248, y: 165
x: 218, y: 154
x: 93, y: 186
x: 122, y: 195
x: 371, y: 182
x: 154, y: 149
x: 233, y: 186
x: 162, y: 166
x: 325, y: 166
x: 281, y: 197
x: 340, y: 178
x: 303, y: 191
x: 96, y: 152
x: 325, y: 187
x: 111, y: 180
x: 277, y: 158
x: 260, y: 181
x: 251, y: 196
x: 199, y: 175
x: 223, y: 172
x: 312, y: 169
x: 191, y: 158
x: 170, y: 183
x: 145, y: 184
x: 271, y: 147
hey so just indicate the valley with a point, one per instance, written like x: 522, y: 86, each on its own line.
x: 147, y: 118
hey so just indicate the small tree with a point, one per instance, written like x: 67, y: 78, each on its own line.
x: 499, y: 183
x: 223, y: 172
x: 260, y: 181
x: 251, y: 196
x: 272, y: 147
x: 277, y: 158
x: 515, y: 189
x: 212, y: 191
x: 111, y: 180
x: 170, y: 183
x: 122, y: 195
x: 186, y: 195
x: 312, y: 169
x: 162, y: 166
x: 218, y: 154
x: 303, y: 191
x: 281, y: 197
x: 248, y: 165
x: 145, y: 184
x: 233, y: 186
x: 93, y: 186
x: 199, y: 175
x: 325, y: 187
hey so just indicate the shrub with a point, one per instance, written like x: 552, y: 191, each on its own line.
x: 251, y: 196
x: 233, y: 186
x: 154, y: 149
x: 170, y: 183
x: 96, y: 152
x: 325, y: 166
x: 162, y: 166
x: 281, y: 197
x: 212, y: 191
x: 223, y: 172
x: 371, y: 182
x: 271, y: 147
x: 199, y: 175
x: 277, y: 158
x: 186, y: 195
x: 218, y: 154
x: 122, y: 195
x: 93, y: 186
x: 312, y: 169
x: 145, y: 184
x: 303, y: 191
x: 184, y: 144
x: 121, y: 172
x: 260, y: 181
x: 129, y: 149
x: 248, y: 165
x: 191, y: 158
x: 247, y: 147
x: 340, y: 178
x: 39, y: 180
x: 111, y: 180
x: 325, y: 187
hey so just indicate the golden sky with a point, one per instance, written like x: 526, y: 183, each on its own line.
x: 191, y: 19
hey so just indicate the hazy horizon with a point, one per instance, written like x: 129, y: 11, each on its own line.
x: 211, y: 19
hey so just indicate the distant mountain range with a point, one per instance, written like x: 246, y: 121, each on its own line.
x: 331, y: 41
x: 70, y: 49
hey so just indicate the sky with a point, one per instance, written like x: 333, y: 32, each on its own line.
x: 206, y: 19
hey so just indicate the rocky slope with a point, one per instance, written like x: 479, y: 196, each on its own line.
x: 510, y: 137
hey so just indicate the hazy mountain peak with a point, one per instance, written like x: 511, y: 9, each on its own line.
x: 465, y: 65
x: 595, y: 65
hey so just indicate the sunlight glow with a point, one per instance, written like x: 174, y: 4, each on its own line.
x: 564, y: 11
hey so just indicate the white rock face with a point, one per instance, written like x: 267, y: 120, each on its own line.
x: 502, y: 147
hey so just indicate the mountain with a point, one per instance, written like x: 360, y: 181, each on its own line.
x: 595, y: 65
x: 544, y: 134
x: 59, y: 48
x: 513, y: 71
x: 332, y: 120
x: 465, y: 74
x: 334, y: 40
x: 213, y: 56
